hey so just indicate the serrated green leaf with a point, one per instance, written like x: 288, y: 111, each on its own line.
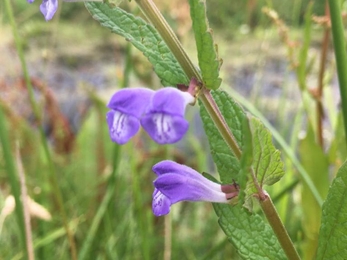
x: 260, y: 158
x: 208, y: 59
x: 245, y: 161
x: 333, y: 232
x: 228, y: 165
x: 267, y: 164
x: 144, y: 37
x: 251, y: 236
x: 316, y: 164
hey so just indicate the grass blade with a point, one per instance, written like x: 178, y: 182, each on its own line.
x: 340, y: 54
x: 12, y: 176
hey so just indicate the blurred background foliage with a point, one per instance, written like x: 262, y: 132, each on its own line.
x: 75, y: 66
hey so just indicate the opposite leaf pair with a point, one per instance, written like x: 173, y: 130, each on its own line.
x: 161, y: 114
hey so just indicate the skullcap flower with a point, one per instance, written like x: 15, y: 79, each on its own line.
x: 161, y: 114
x: 47, y: 8
x: 177, y: 182
x: 164, y: 118
x: 127, y: 106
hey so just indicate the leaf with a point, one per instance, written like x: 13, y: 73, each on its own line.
x: 228, y: 165
x: 332, y: 239
x: 267, y: 164
x: 250, y: 235
x: 316, y: 164
x: 259, y: 158
x: 208, y: 59
x: 144, y: 37
x: 245, y: 162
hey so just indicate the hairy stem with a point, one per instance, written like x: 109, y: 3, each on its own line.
x: 217, y: 117
x: 272, y: 216
x: 152, y: 13
x: 155, y: 17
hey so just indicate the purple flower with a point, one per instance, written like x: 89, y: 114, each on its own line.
x: 127, y: 106
x: 164, y: 118
x: 177, y: 182
x: 47, y: 8
x: 161, y: 114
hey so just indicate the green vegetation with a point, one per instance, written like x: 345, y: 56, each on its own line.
x: 89, y: 198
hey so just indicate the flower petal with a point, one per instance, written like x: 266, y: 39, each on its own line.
x: 170, y: 100
x: 131, y: 101
x: 177, y: 182
x: 127, y: 106
x: 167, y: 166
x: 160, y: 204
x: 121, y: 126
x: 164, y: 118
x: 48, y: 8
x: 164, y: 128
x: 177, y: 188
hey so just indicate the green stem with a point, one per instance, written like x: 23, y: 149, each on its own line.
x: 26, y: 214
x: 321, y: 73
x: 12, y: 176
x: 272, y: 216
x: 155, y: 17
x: 217, y: 117
x: 338, y: 34
x: 35, y: 108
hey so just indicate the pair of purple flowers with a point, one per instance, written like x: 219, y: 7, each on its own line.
x: 161, y: 114
x: 47, y: 8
